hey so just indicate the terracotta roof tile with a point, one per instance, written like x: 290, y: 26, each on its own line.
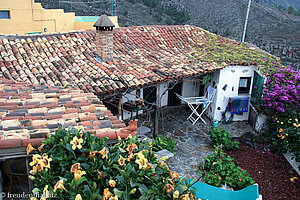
x: 141, y: 55
x: 20, y: 122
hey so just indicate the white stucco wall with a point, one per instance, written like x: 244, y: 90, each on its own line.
x: 127, y: 97
x: 230, y: 75
x: 161, y: 88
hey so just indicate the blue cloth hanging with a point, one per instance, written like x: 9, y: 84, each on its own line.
x: 239, y: 105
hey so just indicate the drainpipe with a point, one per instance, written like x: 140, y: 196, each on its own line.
x: 246, y: 21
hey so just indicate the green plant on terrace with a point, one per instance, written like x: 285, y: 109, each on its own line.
x: 219, y: 169
x: 76, y: 165
x: 222, y: 137
x: 161, y: 142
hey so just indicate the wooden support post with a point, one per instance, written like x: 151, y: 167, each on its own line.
x: 156, y: 119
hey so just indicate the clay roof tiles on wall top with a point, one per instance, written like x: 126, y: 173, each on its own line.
x: 29, y: 112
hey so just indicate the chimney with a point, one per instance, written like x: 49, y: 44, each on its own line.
x: 104, y: 37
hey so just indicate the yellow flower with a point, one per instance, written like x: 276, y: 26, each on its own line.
x: 107, y: 194
x: 121, y: 161
x: 104, y: 153
x: 281, y: 122
x: 281, y: 130
x: 293, y: 179
x: 78, y: 173
x: 76, y: 143
x: 281, y: 136
x: 112, y: 183
x: 75, y: 167
x: 29, y: 148
x: 176, y: 194
x: 114, y: 198
x: 130, y: 148
x: 119, y: 138
x: 169, y: 188
x: 140, y: 155
x: 59, y: 185
x: 296, y: 125
x: 46, y: 160
x: 174, y: 175
x: 130, y: 157
x: 129, y: 136
x: 78, y: 197
x: 171, y: 181
x: 35, y: 159
x: 185, y: 197
x: 142, y: 162
x: 45, y: 194
x: 164, y: 158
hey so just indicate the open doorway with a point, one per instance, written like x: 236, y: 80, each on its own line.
x: 173, y: 100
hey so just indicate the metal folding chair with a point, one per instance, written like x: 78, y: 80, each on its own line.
x: 195, y: 102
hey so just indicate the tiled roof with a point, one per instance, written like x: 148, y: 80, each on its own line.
x: 142, y: 55
x: 33, y: 111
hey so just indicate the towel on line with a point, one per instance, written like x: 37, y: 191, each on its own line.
x: 239, y: 105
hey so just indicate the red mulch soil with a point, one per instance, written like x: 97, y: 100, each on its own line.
x: 271, y: 173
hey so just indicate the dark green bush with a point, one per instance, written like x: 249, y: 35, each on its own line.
x: 222, y: 137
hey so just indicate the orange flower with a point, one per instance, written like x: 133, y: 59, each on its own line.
x: 75, y: 167
x: 41, y: 147
x: 169, y: 188
x: 185, y: 197
x: 130, y: 148
x: 104, y: 153
x: 130, y: 157
x: 163, y: 163
x: 174, y: 175
x: 59, y: 185
x: 121, y: 161
x: 281, y: 130
x: 171, y: 181
x: 29, y: 148
x: 93, y: 154
x: 78, y: 173
x: 149, y: 167
x: 46, y: 160
x: 293, y: 179
x: 107, y: 194
x: 112, y: 183
x: 76, y: 143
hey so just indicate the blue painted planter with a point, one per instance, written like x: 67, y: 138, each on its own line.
x: 205, y: 191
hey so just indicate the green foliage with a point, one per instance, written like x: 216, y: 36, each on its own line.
x: 219, y: 168
x: 222, y: 137
x: 102, y: 170
x: 161, y: 142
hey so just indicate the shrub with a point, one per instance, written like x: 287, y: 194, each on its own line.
x: 222, y: 137
x: 219, y: 168
x: 161, y: 142
x: 281, y: 102
x: 72, y: 164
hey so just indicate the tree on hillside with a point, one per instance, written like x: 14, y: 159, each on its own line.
x: 291, y: 10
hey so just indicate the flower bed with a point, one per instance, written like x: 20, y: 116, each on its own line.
x: 73, y: 165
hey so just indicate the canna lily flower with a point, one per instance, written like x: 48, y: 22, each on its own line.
x: 176, y: 194
x: 114, y: 198
x: 121, y: 161
x: 107, y: 194
x: 75, y: 167
x: 76, y: 143
x: 46, y: 193
x: 169, y: 188
x: 29, y: 148
x: 59, y: 185
x: 142, y: 162
x: 78, y: 197
x: 104, y: 153
x: 78, y: 173
x: 174, y: 175
x: 112, y: 183
x: 41, y: 147
x: 293, y: 179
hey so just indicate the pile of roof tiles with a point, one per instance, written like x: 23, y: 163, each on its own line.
x: 142, y: 55
x: 33, y: 111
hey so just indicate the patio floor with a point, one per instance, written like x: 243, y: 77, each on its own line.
x: 193, y: 142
